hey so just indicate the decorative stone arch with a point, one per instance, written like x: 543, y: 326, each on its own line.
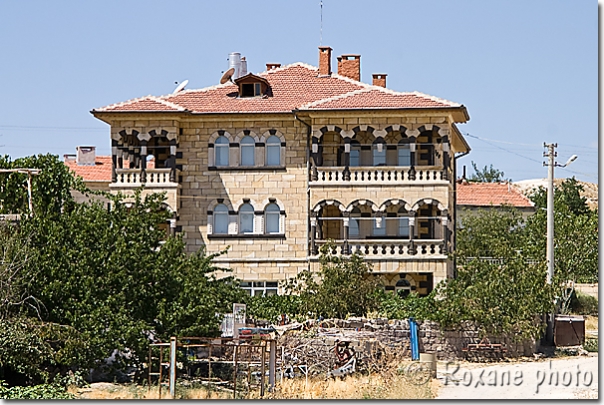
x: 217, y: 201
x: 365, y: 128
x: 232, y: 222
x: 246, y: 132
x: 240, y: 202
x: 272, y: 200
x: 270, y: 133
x: 394, y: 201
x: 218, y: 134
x: 261, y: 218
x: 361, y: 201
x: 321, y: 204
x: 327, y: 128
x: 428, y: 201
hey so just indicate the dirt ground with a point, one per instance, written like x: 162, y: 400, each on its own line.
x: 548, y: 378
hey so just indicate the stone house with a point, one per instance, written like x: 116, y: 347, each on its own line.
x: 472, y: 197
x: 275, y: 164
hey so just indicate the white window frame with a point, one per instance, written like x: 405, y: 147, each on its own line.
x: 246, y: 212
x: 219, y: 214
x: 260, y: 288
x: 247, y: 144
x: 272, y: 212
x: 221, y: 147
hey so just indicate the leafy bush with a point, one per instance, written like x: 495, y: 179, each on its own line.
x: 42, y: 391
x: 393, y: 306
x: 583, y: 304
x: 271, y: 307
x: 591, y: 345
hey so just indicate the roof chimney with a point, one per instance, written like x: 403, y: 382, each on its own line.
x: 379, y: 79
x: 271, y: 66
x: 85, y: 155
x: 324, y: 61
x: 350, y: 66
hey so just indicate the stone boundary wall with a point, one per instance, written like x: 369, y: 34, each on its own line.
x: 588, y: 289
x: 447, y: 344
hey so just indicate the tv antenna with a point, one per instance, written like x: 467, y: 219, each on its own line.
x: 321, y: 37
x: 180, y: 87
x: 227, y: 76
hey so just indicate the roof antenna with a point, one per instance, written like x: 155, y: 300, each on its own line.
x: 321, y: 38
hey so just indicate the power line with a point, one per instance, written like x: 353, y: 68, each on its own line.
x: 507, y: 150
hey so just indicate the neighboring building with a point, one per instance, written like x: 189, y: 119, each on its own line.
x: 276, y: 164
x: 472, y: 197
x: 94, y: 170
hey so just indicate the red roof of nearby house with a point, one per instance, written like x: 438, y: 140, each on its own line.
x: 295, y: 86
x: 491, y: 194
x: 101, y: 171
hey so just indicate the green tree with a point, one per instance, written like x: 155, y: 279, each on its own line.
x: 486, y: 175
x: 342, y: 287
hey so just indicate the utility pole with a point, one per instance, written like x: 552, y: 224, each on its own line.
x: 551, y: 155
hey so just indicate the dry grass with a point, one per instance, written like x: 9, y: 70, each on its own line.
x: 591, y: 322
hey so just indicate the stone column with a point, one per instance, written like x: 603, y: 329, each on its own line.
x: 313, y: 231
x: 411, y: 232
x: 172, y: 160
x: 113, y: 160
x: 143, y: 161
x: 446, y: 158
x: 445, y: 223
x: 314, y: 155
x: 346, y: 247
x: 346, y: 172
x: 412, y: 147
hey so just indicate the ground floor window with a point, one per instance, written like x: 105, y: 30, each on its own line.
x: 260, y: 288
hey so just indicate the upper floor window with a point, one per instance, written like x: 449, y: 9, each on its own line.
x: 379, y: 226
x: 221, y: 219
x: 404, y: 154
x: 246, y: 219
x: 379, y: 153
x: 353, y: 224
x: 273, y: 151
x: 355, y: 154
x: 403, y: 222
x: 247, y: 147
x: 272, y: 218
x: 221, y: 149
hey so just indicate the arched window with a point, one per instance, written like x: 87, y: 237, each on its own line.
x: 247, y: 145
x: 404, y: 154
x: 403, y: 288
x: 273, y: 151
x: 221, y: 150
x: 221, y: 219
x: 355, y: 154
x: 272, y: 215
x: 353, y: 223
x: 403, y: 222
x: 246, y: 219
x: 379, y: 152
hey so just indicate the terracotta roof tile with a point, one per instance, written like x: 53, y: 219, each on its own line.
x: 292, y: 87
x: 101, y: 171
x: 487, y: 194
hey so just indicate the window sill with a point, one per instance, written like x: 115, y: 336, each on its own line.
x: 247, y: 236
x: 247, y: 168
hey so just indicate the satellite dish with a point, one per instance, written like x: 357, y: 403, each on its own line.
x: 180, y: 87
x: 227, y: 76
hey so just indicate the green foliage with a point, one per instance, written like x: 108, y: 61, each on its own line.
x: 591, y: 344
x: 486, y: 175
x: 583, y: 304
x: 42, y: 391
x: 272, y: 306
x: 393, y: 306
x: 342, y: 287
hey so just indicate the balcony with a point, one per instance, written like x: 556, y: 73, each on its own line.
x: 154, y: 181
x: 389, y: 249
x: 380, y: 175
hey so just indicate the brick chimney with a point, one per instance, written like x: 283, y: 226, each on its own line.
x: 271, y: 66
x: 86, y: 155
x: 379, y: 79
x: 350, y: 66
x: 324, y: 61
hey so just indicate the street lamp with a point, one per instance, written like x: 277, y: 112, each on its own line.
x: 551, y: 154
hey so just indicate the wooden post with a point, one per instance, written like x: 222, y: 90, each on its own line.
x: 172, y: 365
x: 235, y: 355
x: 262, y: 369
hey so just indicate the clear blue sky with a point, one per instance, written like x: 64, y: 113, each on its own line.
x: 527, y: 70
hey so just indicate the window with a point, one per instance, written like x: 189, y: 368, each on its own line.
x: 403, y: 223
x: 247, y: 151
x: 403, y: 288
x: 272, y: 216
x: 221, y: 149
x: 379, y: 153
x: 355, y: 154
x: 246, y: 219
x: 404, y: 154
x: 353, y: 224
x: 273, y: 151
x: 260, y: 288
x: 379, y: 226
x: 221, y: 219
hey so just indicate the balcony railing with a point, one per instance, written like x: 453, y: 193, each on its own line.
x: 379, y: 175
x: 389, y: 248
x: 154, y: 177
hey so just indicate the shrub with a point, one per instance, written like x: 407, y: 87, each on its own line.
x: 42, y: 391
x: 583, y: 304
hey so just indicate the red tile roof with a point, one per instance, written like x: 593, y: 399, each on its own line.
x: 295, y: 86
x: 101, y: 171
x: 487, y: 194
